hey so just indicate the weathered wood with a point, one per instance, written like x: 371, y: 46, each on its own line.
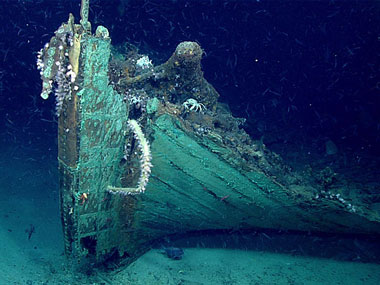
x: 207, y: 173
x: 193, y: 188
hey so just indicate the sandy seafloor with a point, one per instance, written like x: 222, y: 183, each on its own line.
x: 29, y: 196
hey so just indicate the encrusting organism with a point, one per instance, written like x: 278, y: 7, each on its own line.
x: 145, y: 162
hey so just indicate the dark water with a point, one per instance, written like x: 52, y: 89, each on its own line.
x: 301, y: 73
x: 301, y: 68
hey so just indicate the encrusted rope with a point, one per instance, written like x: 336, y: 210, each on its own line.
x: 145, y: 162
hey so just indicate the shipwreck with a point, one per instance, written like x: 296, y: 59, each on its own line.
x: 147, y: 151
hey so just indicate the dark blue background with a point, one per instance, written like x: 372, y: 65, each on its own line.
x: 297, y: 70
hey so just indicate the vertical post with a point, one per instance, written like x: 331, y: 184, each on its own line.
x: 84, y: 8
x: 91, y: 136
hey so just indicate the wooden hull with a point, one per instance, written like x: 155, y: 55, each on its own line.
x: 199, y: 181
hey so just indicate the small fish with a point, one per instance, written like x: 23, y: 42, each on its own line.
x: 174, y: 253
